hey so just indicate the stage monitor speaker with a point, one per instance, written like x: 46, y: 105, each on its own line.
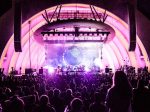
x: 28, y: 71
x: 106, y: 70
x: 132, y: 26
x: 41, y: 71
x: 17, y: 25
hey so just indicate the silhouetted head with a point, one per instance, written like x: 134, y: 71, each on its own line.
x: 121, y: 83
x: 120, y: 79
x: 17, y: 104
x: 8, y: 92
x: 56, y: 92
x: 76, y: 105
x: 84, y: 89
x: 50, y: 93
x: 69, y: 92
x: 97, y: 97
x: 44, y: 100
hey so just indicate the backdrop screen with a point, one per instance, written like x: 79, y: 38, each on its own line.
x: 72, y: 54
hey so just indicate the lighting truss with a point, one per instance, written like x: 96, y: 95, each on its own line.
x: 74, y: 36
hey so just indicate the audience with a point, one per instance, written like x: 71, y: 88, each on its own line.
x: 15, y: 104
x: 76, y: 105
x: 141, y: 98
x: 44, y: 105
x: 98, y: 104
x: 119, y: 96
x: 57, y: 101
x: 69, y: 96
x: 119, y: 92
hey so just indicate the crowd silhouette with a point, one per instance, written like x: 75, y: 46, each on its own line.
x: 118, y: 92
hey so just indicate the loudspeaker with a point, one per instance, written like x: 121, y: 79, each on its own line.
x: 28, y: 71
x: 132, y: 26
x: 106, y: 70
x: 41, y: 71
x: 17, y: 25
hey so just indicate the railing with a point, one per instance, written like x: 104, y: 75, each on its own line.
x: 77, y: 15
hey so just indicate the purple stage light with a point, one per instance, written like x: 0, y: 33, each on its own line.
x: 49, y: 68
x: 98, y: 62
x: 87, y: 69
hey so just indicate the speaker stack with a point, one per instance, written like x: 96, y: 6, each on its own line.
x: 132, y: 25
x: 17, y: 24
